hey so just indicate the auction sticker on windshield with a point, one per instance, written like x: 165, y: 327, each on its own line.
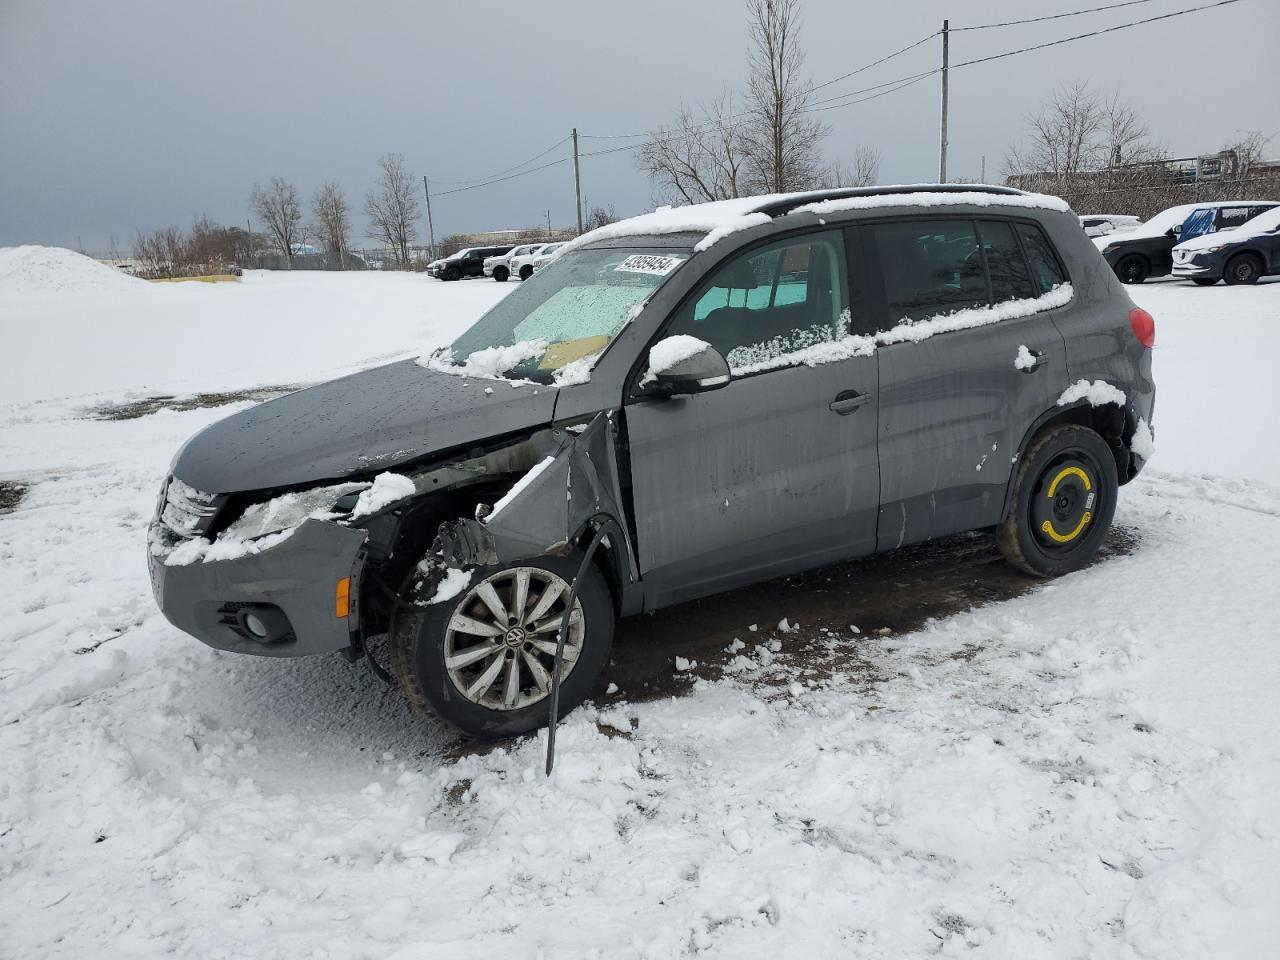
x: 648, y: 263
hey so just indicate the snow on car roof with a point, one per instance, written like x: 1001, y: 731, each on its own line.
x: 1166, y: 220
x: 1262, y: 223
x: 719, y: 218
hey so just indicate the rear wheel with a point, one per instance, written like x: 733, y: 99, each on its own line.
x: 1063, y: 501
x: 1204, y: 281
x: 1243, y: 268
x: 1133, y: 269
x: 483, y: 659
x: 500, y: 274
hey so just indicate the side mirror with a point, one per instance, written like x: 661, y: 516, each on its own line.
x: 683, y: 365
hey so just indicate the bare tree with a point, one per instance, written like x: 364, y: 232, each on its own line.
x: 278, y: 208
x: 332, y: 224
x: 782, y: 137
x: 600, y: 217
x: 862, y: 171
x: 393, y: 207
x: 700, y: 156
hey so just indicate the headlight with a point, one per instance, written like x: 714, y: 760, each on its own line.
x: 1213, y: 249
x: 289, y: 510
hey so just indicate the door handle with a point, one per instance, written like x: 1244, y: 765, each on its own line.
x: 1038, y: 360
x: 847, y: 401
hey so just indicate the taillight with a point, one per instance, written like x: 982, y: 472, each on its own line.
x: 1144, y: 326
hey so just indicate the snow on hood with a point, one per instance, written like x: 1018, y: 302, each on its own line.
x: 1267, y: 222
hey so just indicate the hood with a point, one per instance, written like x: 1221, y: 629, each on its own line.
x: 359, y: 424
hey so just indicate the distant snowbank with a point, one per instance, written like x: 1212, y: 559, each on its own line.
x: 36, y: 269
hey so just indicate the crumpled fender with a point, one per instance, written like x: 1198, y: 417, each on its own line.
x: 551, y: 510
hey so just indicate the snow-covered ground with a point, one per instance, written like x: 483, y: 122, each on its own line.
x: 1091, y: 769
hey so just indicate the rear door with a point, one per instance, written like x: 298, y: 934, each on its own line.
x: 956, y: 399
x: 776, y: 471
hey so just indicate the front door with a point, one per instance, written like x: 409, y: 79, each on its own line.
x: 776, y: 471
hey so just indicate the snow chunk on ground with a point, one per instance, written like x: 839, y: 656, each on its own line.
x: 1098, y: 392
x: 1025, y: 359
x: 387, y: 489
x: 930, y: 199
x: 37, y: 269
x: 490, y: 363
x: 520, y: 485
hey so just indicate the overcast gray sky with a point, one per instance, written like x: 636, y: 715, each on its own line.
x: 140, y: 113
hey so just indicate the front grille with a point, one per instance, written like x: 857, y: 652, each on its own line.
x: 187, y: 512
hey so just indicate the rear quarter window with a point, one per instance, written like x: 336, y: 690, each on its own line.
x: 1046, y: 268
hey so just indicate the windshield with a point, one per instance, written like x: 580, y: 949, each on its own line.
x: 568, y: 311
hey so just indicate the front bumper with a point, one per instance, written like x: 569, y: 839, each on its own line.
x: 292, y: 585
x: 1190, y: 269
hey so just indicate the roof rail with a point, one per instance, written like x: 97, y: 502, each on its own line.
x: 785, y: 205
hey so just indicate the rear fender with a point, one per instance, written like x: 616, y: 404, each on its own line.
x: 552, y: 507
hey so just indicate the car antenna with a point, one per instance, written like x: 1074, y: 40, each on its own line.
x: 560, y: 640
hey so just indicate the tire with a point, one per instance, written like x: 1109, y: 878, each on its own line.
x: 453, y: 273
x: 1243, y: 268
x: 1047, y: 536
x: 526, y: 272
x: 1133, y: 269
x: 424, y: 640
x: 500, y: 274
x: 1204, y: 281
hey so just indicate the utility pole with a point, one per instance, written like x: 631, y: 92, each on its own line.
x: 577, y: 181
x: 982, y: 178
x: 942, y: 145
x: 431, y: 230
x: 548, y: 224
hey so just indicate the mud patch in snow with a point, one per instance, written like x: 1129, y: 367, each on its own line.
x: 145, y: 406
x: 11, y: 495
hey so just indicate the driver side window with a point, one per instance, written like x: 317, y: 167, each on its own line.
x: 771, y: 302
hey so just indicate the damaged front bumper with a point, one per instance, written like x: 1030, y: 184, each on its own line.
x: 279, y: 602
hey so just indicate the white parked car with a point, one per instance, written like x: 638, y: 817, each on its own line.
x: 499, y: 267
x: 1102, y: 224
x: 524, y: 267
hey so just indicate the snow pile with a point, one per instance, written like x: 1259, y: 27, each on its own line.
x: 37, y: 269
x: 387, y: 489
x: 576, y: 372
x: 1098, y: 393
x: 1143, y: 443
x: 451, y: 584
x: 1025, y: 359
x: 488, y: 364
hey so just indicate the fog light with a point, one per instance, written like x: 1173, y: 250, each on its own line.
x: 253, y: 623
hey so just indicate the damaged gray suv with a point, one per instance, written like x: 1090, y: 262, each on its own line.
x: 678, y: 404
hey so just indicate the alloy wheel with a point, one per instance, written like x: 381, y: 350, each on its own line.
x: 500, y: 642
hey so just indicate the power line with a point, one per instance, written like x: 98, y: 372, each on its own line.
x: 501, y: 172
x: 1094, y: 33
x: 896, y: 53
x: 513, y: 176
x: 1052, y: 16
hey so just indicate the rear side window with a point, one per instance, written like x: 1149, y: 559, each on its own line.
x: 1010, y: 279
x: 1045, y: 269
x: 931, y: 267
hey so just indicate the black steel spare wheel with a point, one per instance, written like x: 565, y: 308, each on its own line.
x: 483, y: 659
x: 1063, y: 502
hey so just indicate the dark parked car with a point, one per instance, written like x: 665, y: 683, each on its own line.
x: 465, y: 263
x: 1241, y: 255
x: 1148, y: 250
x: 852, y: 371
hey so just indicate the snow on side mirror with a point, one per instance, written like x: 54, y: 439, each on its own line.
x: 683, y: 364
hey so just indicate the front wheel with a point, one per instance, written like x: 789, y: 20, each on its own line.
x: 1133, y: 269
x: 500, y: 274
x: 1243, y: 268
x: 453, y: 273
x: 1063, y: 501
x: 526, y: 272
x: 483, y: 659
